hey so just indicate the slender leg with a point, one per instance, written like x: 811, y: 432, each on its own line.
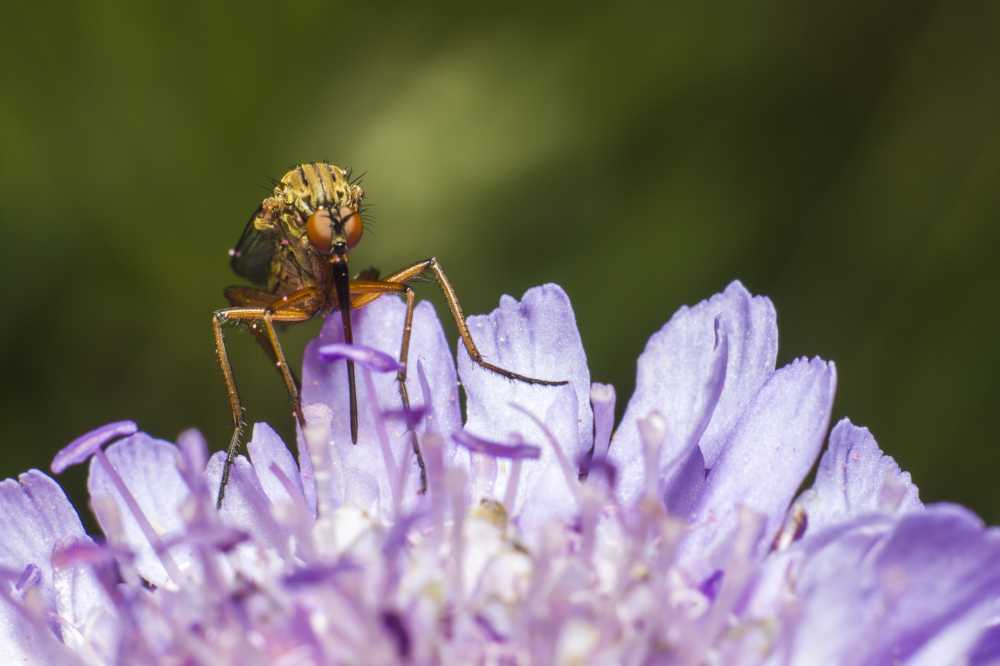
x: 379, y: 287
x: 241, y: 296
x: 251, y: 316
x: 432, y: 264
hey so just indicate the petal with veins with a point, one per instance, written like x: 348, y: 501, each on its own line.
x: 536, y: 337
x: 149, y: 469
x: 699, y: 371
x: 771, y: 451
x: 855, y: 477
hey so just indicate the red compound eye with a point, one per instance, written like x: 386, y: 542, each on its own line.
x: 319, y: 228
x: 353, y: 227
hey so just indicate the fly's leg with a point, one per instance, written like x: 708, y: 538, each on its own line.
x: 285, y: 309
x: 218, y: 318
x: 432, y: 264
x: 365, y: 288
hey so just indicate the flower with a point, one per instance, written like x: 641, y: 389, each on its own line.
x: 546, y: 535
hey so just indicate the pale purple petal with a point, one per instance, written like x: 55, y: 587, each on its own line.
x: 36, y: 518
x: 246, y: 507
x: 699, y: 372
x: 26, y: 641
x: 536, y: 337
x: 686, y: 485
x: 771, y: 451
x: 855, y: 477
x: 149, y: 468
x: 986, y: 652
x: 678, y: 375
x: 379, y: 325
x: 266, y: 449
x: 888, y: 601
x: 751, y: 328
x: 545, y: 491
x: 84, y: 446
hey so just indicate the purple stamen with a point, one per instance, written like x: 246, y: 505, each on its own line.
x: 396, y: 627
x: 602, y: 401
x: 84, y: 446
x: 88, y: 553
x: 425, y: 392
x: 362, y: 355
x: 380, y: 430
x: 601, y: 465
x: 710, y: 586
x: 216, y: 537
x: 410, y: 417
x: 572, y: 480
x: 496, y: 449
x: 30, y: 577
x: 318, y: 574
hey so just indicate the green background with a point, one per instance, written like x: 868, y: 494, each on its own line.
x: 842, y: 158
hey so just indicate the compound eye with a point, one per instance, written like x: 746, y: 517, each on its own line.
x: 319, y: 229
x: 353, y: 227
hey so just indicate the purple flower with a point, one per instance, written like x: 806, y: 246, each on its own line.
x: 546, y: 535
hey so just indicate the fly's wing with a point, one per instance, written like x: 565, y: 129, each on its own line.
x: 253, y: 253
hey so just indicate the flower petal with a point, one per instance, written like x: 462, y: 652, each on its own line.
x: 546, y: 491
x: 379, y: 326
x: 35, y: 519
x: 699, y: 371
x: 886, y: 604
x: 986, y: 652
x: 266, y: 449
x: 247, y: 507
x: 536, y: 337
x: 751, y: 328
x: 771, y: 451
x: 855, y: 477
x: 149, y: 469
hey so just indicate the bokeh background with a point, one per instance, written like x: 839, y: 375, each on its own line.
x: 843, y: 158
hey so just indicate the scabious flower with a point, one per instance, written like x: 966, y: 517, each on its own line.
x: 546, y: 535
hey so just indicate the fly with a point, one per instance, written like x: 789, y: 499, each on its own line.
x: 295, y: 250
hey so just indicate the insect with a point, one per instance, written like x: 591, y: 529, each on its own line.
x: 295, y: 250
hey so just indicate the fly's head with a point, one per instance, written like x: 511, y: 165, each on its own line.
x: 317, y: 207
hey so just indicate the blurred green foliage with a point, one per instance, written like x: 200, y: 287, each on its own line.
x: 842, y: 158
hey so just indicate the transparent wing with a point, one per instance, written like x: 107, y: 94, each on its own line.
x: 253, y: 253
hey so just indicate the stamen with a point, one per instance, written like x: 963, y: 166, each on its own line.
x: 396, y: 628
x: 602, y: 402
x: 572, y: 479
x: 652, y: 431
x: 317, y: 436
x: 514, y: 478
x: 496, y: 449
x: 411, y: 417
x: 84, y: 446
x: 425, y: 392
x: 793, y: 529
x: 380, y: 430
x: 601, y: 465
x: 89, y: 554
x: 30, y: 577
x: 369, y: 357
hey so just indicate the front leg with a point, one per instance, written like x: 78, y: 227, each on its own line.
x: 409, y: 273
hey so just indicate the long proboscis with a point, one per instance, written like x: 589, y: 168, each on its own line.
x: 342, y: 283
